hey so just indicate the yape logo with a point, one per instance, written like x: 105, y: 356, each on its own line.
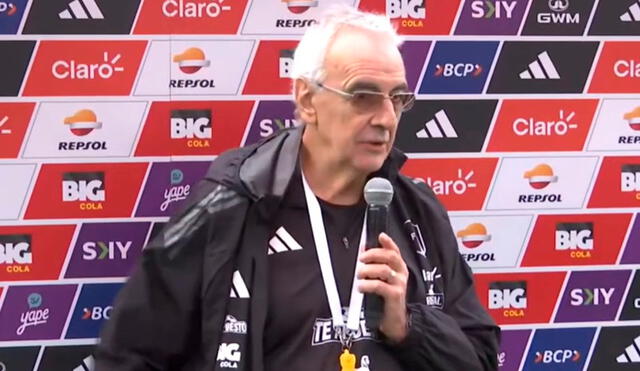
x: 98, y: 129
x: 84, y: 68
x: 558, y: 17
x: 592, y: 296
x: 617, y: 126
x: 86, y: 191
x: 81, y: 17
x: 491, y: 241
x: 524, y: 183
x: 618, y: 69
x: 491, y: 17
x: 190, y: 17
x: 106, y: 249
x: 542, y: 125
x: 519, y: 297
x: 593, y: 239
x: 168, y: 185
x: 271, y: 68
x: 458, y: 67
x: 14, y: 120
x: 617, y: 18
x: 193, y: 128
x: 11, y: 12
x: 416, y: 17
x: 285, y: 16
x: 194, y: 67
x: 92, y: 310
x: 618, y: 184
x: 559, y: 349
x: 38, y: 312
x: 271, y: 117
x: 445, y: 126
x: 461, y: 184
x: 542, y: 67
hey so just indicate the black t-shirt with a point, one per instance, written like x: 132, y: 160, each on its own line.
x: 299, y: 333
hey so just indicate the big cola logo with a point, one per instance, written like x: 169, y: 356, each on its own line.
x: 35, y: 315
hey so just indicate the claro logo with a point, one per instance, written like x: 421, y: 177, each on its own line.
x: 70, y: 69
x: 194, y: 9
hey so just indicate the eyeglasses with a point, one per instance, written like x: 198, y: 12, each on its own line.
x: 368, y: 99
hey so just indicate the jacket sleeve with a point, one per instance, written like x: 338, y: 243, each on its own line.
x: 155, y: 323
x: 462, y: 336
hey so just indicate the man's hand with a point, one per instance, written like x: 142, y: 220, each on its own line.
x: 384, y: 273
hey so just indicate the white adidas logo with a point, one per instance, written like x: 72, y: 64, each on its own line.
x: 282, y: 242
x: 87, y: 364
x: 76, y: 10
x: 630, y: 354
x: 439, y: 127
x: 540, y: 69
x: 633, y: 14
x: 238, y: 287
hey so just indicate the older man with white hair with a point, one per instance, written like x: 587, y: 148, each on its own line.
x: 265, y: 267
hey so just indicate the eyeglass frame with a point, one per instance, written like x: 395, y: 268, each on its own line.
x: 350, y: 96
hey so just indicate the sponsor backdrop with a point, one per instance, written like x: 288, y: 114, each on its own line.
x: 527, y: 127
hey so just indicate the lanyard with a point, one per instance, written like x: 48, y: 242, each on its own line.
x: 322, y: 249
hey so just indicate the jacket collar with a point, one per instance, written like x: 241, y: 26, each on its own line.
x: 268, y: 170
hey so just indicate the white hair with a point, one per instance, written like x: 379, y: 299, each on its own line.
x: 308, y: 60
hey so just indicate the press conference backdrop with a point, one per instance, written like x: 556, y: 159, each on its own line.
x: 527, y: 127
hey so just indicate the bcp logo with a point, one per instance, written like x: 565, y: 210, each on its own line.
x: 473, y: 235
x: 461, y: 184
x: 519, y: 297
x: 15, y: 253
x: 542, y: 125
x: 96, y: 313
x: 271, y: 68
x: 92, y: 309
x: 188, y: 127
x: 194, y: 126
x: 562, y: 240
x: 84, y: 68
x: 618, y: 69
x: 8, y: 8
x: 416, y: 17
x: 84, y: 190
x: 88, y: 189
x: 300, y: 6
x: 559, y: 356
x: 190, y: 17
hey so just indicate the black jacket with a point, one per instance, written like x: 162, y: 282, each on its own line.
x: 170, y: 314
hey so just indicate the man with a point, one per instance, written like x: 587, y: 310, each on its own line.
x: 263, y: 268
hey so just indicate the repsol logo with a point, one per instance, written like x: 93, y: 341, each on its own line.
x: 483, y: 257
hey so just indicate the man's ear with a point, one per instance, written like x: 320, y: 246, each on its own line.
x: 303, y: 94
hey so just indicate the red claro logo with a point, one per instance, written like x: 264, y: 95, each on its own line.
x: 618, y: 183
x: 618, y: 70
x: 14, y: 120
x: 190, y: 17
x: 542, y: 125
x: 84, y: 68
x: 460, y: 184
x: 416, y: 17
x: 86, y: 190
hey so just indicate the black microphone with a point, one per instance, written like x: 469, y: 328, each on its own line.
x: 378, y: 193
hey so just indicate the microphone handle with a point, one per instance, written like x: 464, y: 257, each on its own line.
x: 376, y: 224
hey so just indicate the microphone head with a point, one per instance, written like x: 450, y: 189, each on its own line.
x: 378, y: 191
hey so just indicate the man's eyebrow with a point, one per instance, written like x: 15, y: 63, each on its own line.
x: 365, y: 85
